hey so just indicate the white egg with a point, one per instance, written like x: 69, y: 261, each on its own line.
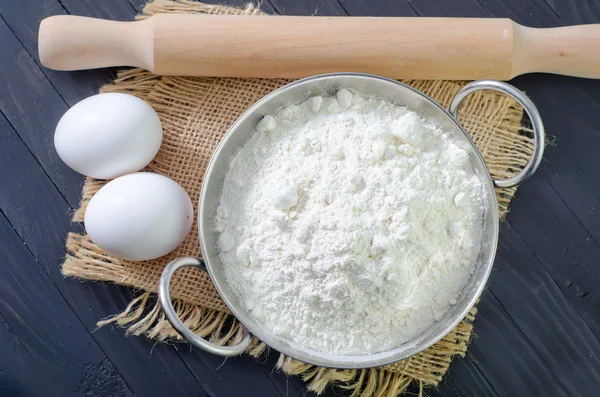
x: 139, y: 216
x: 108, y: 135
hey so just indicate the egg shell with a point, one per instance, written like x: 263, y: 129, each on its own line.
x: 108, y: 135
x: 139, y: 216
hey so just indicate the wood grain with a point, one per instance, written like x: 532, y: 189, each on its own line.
x: 51, y: 333
x: 544, y: 316
x: 216, y: 373
x: 15, y: 372
x: 572, y: 263
x: 308, y: 7
x: 449, y: 8
x: 514, y: 368
x: 33, y: 107
x: 378, y: 8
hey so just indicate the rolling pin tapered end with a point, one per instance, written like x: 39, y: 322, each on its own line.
x: 68, y: 42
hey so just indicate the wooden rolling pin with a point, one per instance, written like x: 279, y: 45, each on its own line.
x: 290, y: 46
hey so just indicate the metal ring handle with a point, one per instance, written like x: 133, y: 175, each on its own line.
x: 165, y: 301
x: 539, y: 136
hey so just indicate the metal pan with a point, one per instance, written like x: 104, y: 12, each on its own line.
x: 366, y: 85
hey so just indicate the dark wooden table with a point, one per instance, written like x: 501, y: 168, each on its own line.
x: 539, y: 321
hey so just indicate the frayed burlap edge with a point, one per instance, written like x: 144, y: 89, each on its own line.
x: 143, y: 315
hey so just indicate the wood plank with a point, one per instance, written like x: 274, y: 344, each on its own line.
x: 119, y: 10
x: 265, y: 6
x: 288, y: 386
x: 561, y: 244
x: 308, y: 7
x: 546, y: 13
x: 576, y: 188
x: 148, y: 368
x: 463, y: 379
x: 215, y: 373
x: 380, y: 8
x: 33, y: 107
x: 543, y: 314
x: 37, y: 312
x: 576, y: 125
x: 530, y: 13
x: 39, y: 216
x: 575, y: 12
x: 102, y: 299
x: 17, y: 366
x: 571, y: 162
x: 506, y: 358
x: 449, y: 8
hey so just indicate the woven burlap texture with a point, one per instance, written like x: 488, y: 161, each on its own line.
x: 195, y: 113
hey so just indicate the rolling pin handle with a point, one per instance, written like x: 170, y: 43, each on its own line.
x: 67, y: 42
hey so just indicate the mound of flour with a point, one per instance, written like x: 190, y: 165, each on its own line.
x: 349, y: 225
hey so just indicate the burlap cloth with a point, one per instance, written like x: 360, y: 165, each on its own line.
x: 195, y: 113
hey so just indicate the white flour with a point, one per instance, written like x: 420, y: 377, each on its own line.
x: 349, y: 225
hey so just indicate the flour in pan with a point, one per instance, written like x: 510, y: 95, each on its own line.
x: 349, y: 225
